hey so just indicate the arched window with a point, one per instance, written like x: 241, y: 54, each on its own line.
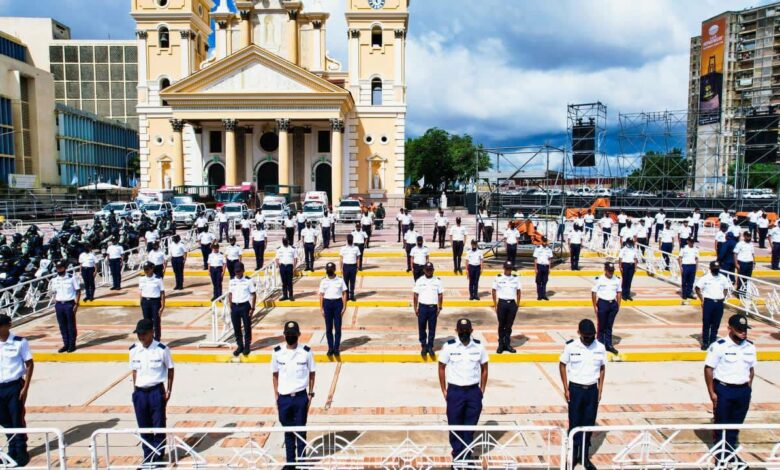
x: 164, y: 40
x: 376, y: 36
x: 376, y: 92
x: 164, y: 83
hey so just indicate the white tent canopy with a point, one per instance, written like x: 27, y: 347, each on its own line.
x: 103, y: 187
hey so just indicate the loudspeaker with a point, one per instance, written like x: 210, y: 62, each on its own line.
x: 583, y: 159
x: 583, y: 145
x: 761, y: 154
x: 761, y: 138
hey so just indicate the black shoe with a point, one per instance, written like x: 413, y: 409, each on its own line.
x: 423, y: 351
x: 508, y: 347
x: 246, y: 352
x: 545, y: 298
x: 283, y: 299
x: 71, y: 349
x: 589, y: 465
x: 329, y: 353
x: 538, y: 298
x: 237, y: 352
x: 62, y: 349
x: 337, y: 353
x: 612, y: 350
x: 292, y: 299
x: 431, y: 353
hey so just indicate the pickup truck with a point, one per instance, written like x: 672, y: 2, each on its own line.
x: 185, y: 214
x: 348, y: 210
x: 120, y: 209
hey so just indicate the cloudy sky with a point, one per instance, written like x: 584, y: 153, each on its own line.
x: 501, y: 70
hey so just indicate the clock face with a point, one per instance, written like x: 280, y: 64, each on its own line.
x: 376, y: 4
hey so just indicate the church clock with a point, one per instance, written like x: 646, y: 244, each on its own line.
x: 376, y: 4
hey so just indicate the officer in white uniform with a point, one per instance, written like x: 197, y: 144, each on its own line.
x: 629, y: 258
x: 246, y: 228
x: 420, y: 256
x: 293, y: 369
x: 574, y: 238
x: 348, y: 259
x: 205, y: 239
x: 151, y: 236
x: 286, y: 260
x: 689, y: 260
x: 300, y: 221
x: 582, y: 367
x: 725, y: 218
x: 696, y: 223
x: 152, y: 298
x: 222, y: 218
x: 67, y: 294
x: 289, y: 228
x: 622, y: 218
x: 242, y: 298
x: 157, y: 257
x: 463, y: 375
x: 410, y: 240
x: 333, y: 304
x: 606, y: 229
x: 115, y: 254
x: 202, y: 223
x: 763, y: 228
x: 666, y: 245
x: 542, y: 256
x: 712, y: 290
x: 428, y: 300
x: 684, y: 232
x: 259, y: 217
x: 259, y: 237
x: 474, y: 259
x: 87, y: 261
x: 744, y: 259
x: 325, y: 225
x: 216, y: 262
x: 178, y: 253
x: 458, y: 241
x: 406, y: 222
x: 606, y: 296
x: 728, y: 371
x: 16, y: 369
x: 309, y: 236
x: 589, y: 220
x: 660, y: 221
x: 152, y: 367
x: 359, y: 237
x: 774, y: 239
x: 628, y: 232
x: 232, y: 256
x: 440, y: 223
x: 511, y: 236
x: 506, y: 299
x: 366, y: 223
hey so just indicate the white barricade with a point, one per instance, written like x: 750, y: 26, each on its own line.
x: 46, y: 447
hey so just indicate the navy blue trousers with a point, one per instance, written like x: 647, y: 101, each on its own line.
x: 658, y: 229
x: 239, y: 316
x: 696, y: 232
x: 688, y: 280
x: 775, y: 255
x: 159, y: 270
x: 230, y: 264
x: 301, y: 226
x: 607, y: 312
x: 326, y: 237
x: 259, y: 248
x: 457, y: 254
x: 745, y: 269
x: 12, y: 416
x: 417, y: 271
x: 408, y: 247
x: 293, y: 412
x: 308, y: 250
x: 350, y: 277
x: 426, y: 324
x: 575, y: 255
x: 149, y: 405
x: 362, y: 248
x: 150, y: 308
x: 583, y: 407
x: 506, y: 313
x: 115, y: 266
x: 88, y: 274
x: 206, y: 251
x: 474, y: 273
x: 605, y: 238
x: 667, y: 248
x: 223, y: 230
x: 464, y: 405
x: 542, y: 276
x: 245, y: 236
x: 286, y: 273
x: 332, y: 309
x: 216, y: 275
x: 712, y: 314
x: 177, y: 263
x: 629, y: 269
x: 66, y: 320
x: 762, y: 237
x: 733, y: 404
x: 511, y: 252
x: 589, y: 229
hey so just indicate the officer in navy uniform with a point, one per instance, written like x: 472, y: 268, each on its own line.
x: 206, y: 239
x: 428, y: 299
x: 115, y: 254
x: 16, y: 369
x: 582, y: 366
x: 152, y: 298
x: 293, y: 368
x: 542, y: 255
x: 475, y: 261
x: 506, y: 299
x: 728, y: 372
x: 463, y: 375
x: 178, y: 253
x: 333, y: 304
x: 242, y: 298
x: 286, y: 260
x: 87, y: 261
x: 67, y: 295
x: 259, y: 237
x: 606, y: 297
x: 348, y: 259
x: 712, y: 290
x: 152, y: 367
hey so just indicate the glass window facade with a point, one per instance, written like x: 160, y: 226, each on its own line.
x: 7, y: 150
x: 12, y: 49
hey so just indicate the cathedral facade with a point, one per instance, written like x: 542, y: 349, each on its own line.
x: 268, y: 105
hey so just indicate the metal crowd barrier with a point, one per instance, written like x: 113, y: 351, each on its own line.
x: 46, y: 447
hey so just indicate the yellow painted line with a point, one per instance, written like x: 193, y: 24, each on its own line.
x: 137, y: 303
x: 703, y: 254
x: 225, y: 356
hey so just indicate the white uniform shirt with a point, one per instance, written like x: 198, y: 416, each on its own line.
x: 753, y: 217
x: 464, y: 362
x: 289, y: 223
x: 201, y: 222
x: 241, y: 289
x: 774, y: 234
x: 578, y: 221
x: 696, y: 217
x: 763, y: 222
x: 259, y: 218
x: 259, y: 235
x: 406, y: 219
x: 589, y: 218
x: 689, y: 255
x: 684, y: 232
x: 731, y: 362
x: 506, y: 287
x: 246, y: 224
x: 222, y: 217
x: 745, y: 252
x: 428, y: 290
x: 583, y: 363
x: 151, y: 236
x: 411, y: 237
x: 474, y: 257
x: 115, y: 251
x: 233, y: 252
x: 365, y: 219
x: 458, y: 233
x: 285, y: 255
x: 206, y: 238
x: 14, y: 352
x: 358, y: 238
x: 622, y: 218
x: 349, y: 254
x: 332, y: 288
x: 724, y: 218
x: 151, y: 287
x: 649, y: 221
x: 627, y: 255
x: 216, y: 260
x: 156, y: 257
x: 542, y: 254
x: 441, y: 220
x: 300, y: 218
x: 575, y: 237
x: 736, y: 230
x: 720, y: 236
x: 606, y: 223
x: 660, y: 218
x: 176, y: 250
x: 518, y: 215
x: 65, y: 288
x: 326, y: 221
x: 309, y: 235
x: 667, y: 235
x: 150, y: 364
x: 419, y: 254
x: 712, y: 287
x: 293, y: 367
x: 641, y: 231
x: 87, y: 259
x: 511, y: 236
x: 627, y: 233
x: 607, y: 288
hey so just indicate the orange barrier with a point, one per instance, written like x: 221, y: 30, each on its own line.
x: 600, y: 202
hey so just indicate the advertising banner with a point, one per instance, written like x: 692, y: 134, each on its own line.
x: 713, y: 46
x: 22, y: 181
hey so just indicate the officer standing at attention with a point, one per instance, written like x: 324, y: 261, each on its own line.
x: 728, y: 372
x: 506, y: 299
x: 406, y: 222
x: 420, y: 257
x: 666, y: 245
x: 286, y: 260
x: 366, y: 222
x: 695, y: 223
x: 712, y: 290
x: 157, y: 257
x: 474, y: 259
x: 774, y: 239
x: 684, y: 232
x: 87, y: 261
x: 398, y: 218
x: 293, y: 369
x: 589, y: 220
x: 309, y: 236
x: 333, y: 304
x: 115, y: 254
x: 457, y: 239
x: 574, y: 238
x: 542, y: 256
x: 205, y: 239
x: 440, y: 228
x: 289, y: 227
x: 216, y: 262
x: 660, y: 220
x: 325, y: 222
x: 763, y: 228
x: 222, y: 218
x: 242, y: 298
x: 259, y: 237
x: 642, y: 233
x: 605, y: 296
x: 511, y: 235
x: 152, y: 367
x: 463, y: 375
x: 359, y: 238
x: 202, y: 223
x: 348, y: 261
x: 628, y: 260
x: 152, y: 298
x: 246, y: 227
x: 582, y: 367
x: 300, y: 221
x: 233, y: 256
x: 410, y: 239
x: 606, y: 229
x: 178, y: 253
x: 16, y: 370
x: 428, y: 299
x: 689, y: 260
x: 622, y: 218
x: 487, y: 231
x: 67, y: 294
x: 259, y: 217
x: 744, y: 259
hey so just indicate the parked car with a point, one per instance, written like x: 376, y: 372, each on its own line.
x: 348, y: 210
x: 237, y: 211
x: 120, y: 209
x: 641, y: 194
x: 179, y: 200
x: 316, y: 196
x: 157, y: 209
x: 313, y: 211
x: 186, y: 214
x: 758, y: 194
x: 275, y: 208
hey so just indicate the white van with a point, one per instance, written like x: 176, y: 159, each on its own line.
x: 274, y: 208
x: 320, y: 197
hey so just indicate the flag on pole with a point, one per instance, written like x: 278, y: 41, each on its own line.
x: 421, y: 183
x: 74, y: 181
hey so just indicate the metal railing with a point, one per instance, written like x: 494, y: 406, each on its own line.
x: 46, y: 445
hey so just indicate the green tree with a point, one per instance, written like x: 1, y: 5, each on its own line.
x: 442, y: 157
x: 661, y: 172
x: 755, y: 175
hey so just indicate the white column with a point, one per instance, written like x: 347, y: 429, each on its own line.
x: 317, y: 46
x: 400, y: 73
x: 354, y: 62
x: 249, y: 153
x: 143, y: 96
x: 185, y: 53
x: 222, y: 39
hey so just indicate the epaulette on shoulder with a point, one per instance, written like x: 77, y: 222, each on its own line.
x: 452, y: 341
x: 721, y: 341
x: 476, y: 341
x: 132, y: 346
x: 162, y: 346
x: 18, y: 338
x: 514, y: 275
x: 306, y: 348
x: 278, y: 348
x: 570, y: 341
x: 749, y: 341
x: 597, y: 277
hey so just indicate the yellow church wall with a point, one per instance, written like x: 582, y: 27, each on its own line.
x: 362, y: 6
x: 376, y: 127
x: 159, y: 128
